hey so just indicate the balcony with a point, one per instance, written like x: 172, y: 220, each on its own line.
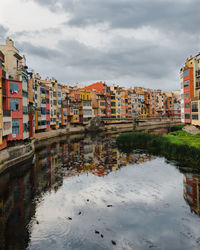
x: 197, y: 85
x: 4, y: 93
x: 194, y: 99
x: 7, y: 122
x: 4, y: 74
x: 197, y: 73
x: 2, y: 56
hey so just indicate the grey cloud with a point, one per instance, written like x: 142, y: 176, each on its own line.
x: 3, y: 32
x: 126, y: 59
x: 165, y: 15
x: 38, y: 51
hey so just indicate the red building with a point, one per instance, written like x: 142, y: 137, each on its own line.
x: 188, y: 90
x: 12, y: 101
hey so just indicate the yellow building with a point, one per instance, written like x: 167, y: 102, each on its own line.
x: 86, y: 106
x: 55, y: 102
x: 113, y: 102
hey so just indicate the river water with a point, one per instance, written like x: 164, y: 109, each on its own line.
x: 85, y: 194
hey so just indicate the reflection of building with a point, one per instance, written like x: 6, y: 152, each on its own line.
x: 191, y: 192
x: 18, y: 195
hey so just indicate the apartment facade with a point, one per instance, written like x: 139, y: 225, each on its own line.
x: 86, y: 106
x: 195, y: 100
x: 15, y: 91
x: 1, y: 98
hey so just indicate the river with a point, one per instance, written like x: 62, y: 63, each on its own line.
x: 85, y: 194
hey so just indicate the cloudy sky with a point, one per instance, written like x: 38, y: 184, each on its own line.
x: 126, y: 42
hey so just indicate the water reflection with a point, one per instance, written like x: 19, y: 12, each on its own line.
x: 192, y: 191
x: 73, y: 168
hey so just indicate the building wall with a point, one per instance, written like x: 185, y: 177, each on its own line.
x: 195, y: 112
x: 17, y: 111
x: 12, y: 60
x: 25, y: 105
x: 1, y: 99
x: 188, y: 92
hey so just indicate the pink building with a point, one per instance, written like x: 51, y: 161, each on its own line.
x: 12, y: 100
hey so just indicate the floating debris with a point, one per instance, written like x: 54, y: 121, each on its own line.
x: 113, y: 242
x: 96, y: 232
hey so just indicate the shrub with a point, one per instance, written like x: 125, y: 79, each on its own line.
x: 170, y: 146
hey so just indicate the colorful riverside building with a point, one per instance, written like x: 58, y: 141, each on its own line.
x: 113, y: 102
x: 195, y: 100
x: 55, y: 102
x: 1, y: 101
x: 75, y: 111
x: 31, y: 104
x: 187, y: 89
x: 86, y: 113
x: 42, y: 107
x: 5, y: 115
x: 64, y: 105
x: 15, y: 91
x: 101, y: 99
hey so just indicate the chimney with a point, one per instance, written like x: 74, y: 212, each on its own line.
x: 9, y: 42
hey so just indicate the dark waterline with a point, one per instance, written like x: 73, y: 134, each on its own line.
x: 88, y: 195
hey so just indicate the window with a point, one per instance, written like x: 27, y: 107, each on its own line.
x: 187, y: 116
x: 186, y: 83
x: 14, y: 104
x: 25, y: 110
x: 113, y: 111
x: 54, y: 94
x: 195, y: 117
x: 102, y: 103
x: 113, y: 104
x: 15, y: 126
x: 25, y: 127
x: 103, y: 111
x: 186, y: 72
x: 43, y: 91
x: 187, y: 105
x: 187, y: 95
x: 54, y: 102
x: 195, y: 107
x: 43, y: 111
x: 14, y: 88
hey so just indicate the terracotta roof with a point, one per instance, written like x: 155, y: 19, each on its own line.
x: 98, y: 86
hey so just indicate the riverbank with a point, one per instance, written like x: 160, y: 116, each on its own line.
x: 16, y: 155
x: 178, y: 145
x: 19, y: 154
